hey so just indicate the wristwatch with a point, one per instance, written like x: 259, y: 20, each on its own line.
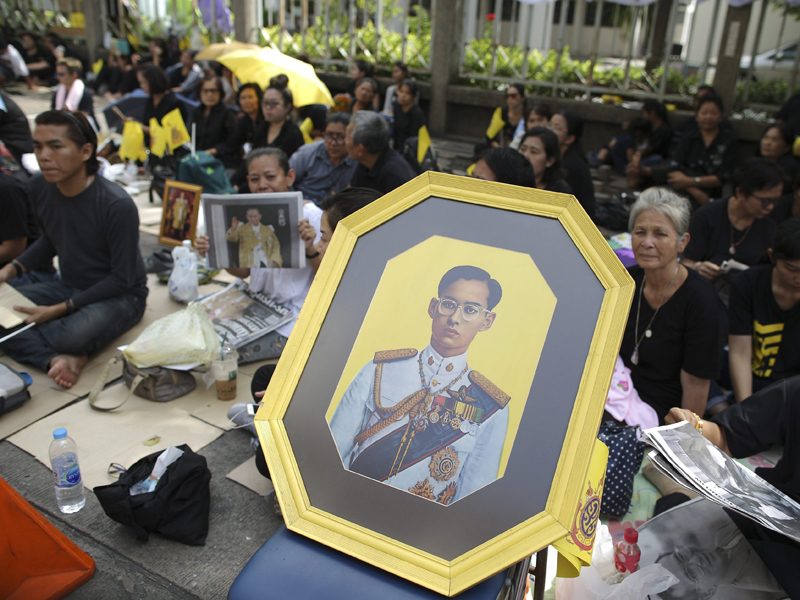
x: 697, y: 180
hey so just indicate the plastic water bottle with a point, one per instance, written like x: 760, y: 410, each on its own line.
x: 627, y: 553
x: 67, y: 472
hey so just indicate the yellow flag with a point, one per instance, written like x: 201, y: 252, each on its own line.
x: 306, y: 127
x: 158, y: 138
x: 796, y: 147
x: 423, y: 143
x: 496, y: 125
x: 97, y: 66
x: 575, y: 550
x: 177, y: 134
x: 132, y: 142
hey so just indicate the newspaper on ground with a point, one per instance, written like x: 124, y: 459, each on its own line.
x: 685, y: 456
x: 242, y: 314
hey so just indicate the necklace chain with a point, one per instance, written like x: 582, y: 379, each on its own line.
x: 638, y: 340
x: 428, y: 387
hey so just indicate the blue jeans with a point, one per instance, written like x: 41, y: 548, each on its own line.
x: 83, y: 332
x: 34, y: 277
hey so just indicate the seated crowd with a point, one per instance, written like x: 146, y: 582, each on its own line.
x: 716, y: 240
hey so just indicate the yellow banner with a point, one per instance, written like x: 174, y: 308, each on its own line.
x: 575, y: 550
x: 158, y: 138
x: 497, y: 123
x: 305, y: 128
x: 423, y: 143
x: 132, y: 147
x: 177, y: 135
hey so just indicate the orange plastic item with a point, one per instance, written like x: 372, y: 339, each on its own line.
x: 38, y: 561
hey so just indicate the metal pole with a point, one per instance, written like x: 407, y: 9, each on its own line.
x: 652, y: 13
x: 432, y: 15
x: 378, y: 30
x: 515, y: 23
x: 710, y: 43
x: 598, y: 22
x: 351, y: 28
x: 405, y: 30
x: 498, y: 7
x: 281, y: 23
x: 562, y: 29
x: 528, y: 32
x: 615, y: 21
x: 631, y: 41
x: 793, y: 80
x: 673, y: 17
x: 780, y: 36
x: 754, y: 50
x: 213, y: 29
x: 326, y: 62
x: 687, y: 44
x: 304, y: 23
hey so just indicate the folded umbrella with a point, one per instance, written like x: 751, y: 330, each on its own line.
x: 130, y: 105
x: 259, y: 66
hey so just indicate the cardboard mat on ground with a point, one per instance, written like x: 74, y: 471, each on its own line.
x: 247, y: 474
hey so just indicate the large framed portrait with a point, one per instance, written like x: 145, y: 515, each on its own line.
x: 435, y: 410
x: 255, y: 230
x: 179, y: 214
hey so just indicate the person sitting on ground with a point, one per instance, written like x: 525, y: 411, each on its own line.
x: 506, y: 120
x: 241, y: 141
x: 568, y: 127
x: 366, y: 90
x: 324, y: 167
x: 540, y: 147
x: 12, y: 66
x: 408, y: 116
x: 539, y: 116
x: 736, y: 229
x: 381, y: 168
x: 776, y: 145
x: 673, y: 338
x: 268, y: 171
x: 56, y: 47
x: 399, y: 75
x: 18, y: 229
x: 159, y: 55
x: 92, y: 225
x: 71, y: 93
x: 184, y: 76
x: 215, y: 123
x: 359, y: 69
x: 658, y: 144
x: 706, y: 156
x: 123, y: 79
x: 764, y: 316
x: 161, y: 102
x: 35, y: 57
x: 15, y: 132
x: 690, y: 123
x: 624, y: 148
x: 789, y: 204
x: 505, y: 165
x: 766, y: 419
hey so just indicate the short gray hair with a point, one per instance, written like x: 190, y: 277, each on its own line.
x: 370, y: 129
x: 676, y: 208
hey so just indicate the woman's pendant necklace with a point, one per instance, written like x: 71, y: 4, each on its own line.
x: 635, y: 355
x: 732, y: 250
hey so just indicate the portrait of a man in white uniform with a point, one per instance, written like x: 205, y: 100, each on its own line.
x: 424, y: 421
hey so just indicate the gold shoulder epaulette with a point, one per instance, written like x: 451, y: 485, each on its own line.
x: 487, y: 386
x: 390, y: 355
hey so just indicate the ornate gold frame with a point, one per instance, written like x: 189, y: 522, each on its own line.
x: 451, y: 577
x: 170, y: 185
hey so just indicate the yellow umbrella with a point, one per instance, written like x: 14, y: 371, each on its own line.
x: 260, y: 66
x: 214, y: 51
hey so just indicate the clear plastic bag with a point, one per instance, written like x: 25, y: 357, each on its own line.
x: 183, y: 279
x: 186, y: 336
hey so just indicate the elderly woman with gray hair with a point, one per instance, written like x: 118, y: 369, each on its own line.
x: 675, y: 331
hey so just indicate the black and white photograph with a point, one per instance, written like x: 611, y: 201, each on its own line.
x: 255, y: 231
x: 699, y: 544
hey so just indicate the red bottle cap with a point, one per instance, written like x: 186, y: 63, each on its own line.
x: 631, y: 535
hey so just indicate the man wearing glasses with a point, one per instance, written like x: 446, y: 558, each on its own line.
x: 425, y: 422
x: 323, y: 168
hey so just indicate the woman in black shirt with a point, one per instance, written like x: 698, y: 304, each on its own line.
x: 251, y: 117
x: 705, y: 157
x: 776, y: 145
x: 408, y: 117
x: 673, y: 341
x: 568, y: 127
x: 214, y: 122
x: 35, y: 58
x: 736, y: 229
x: 764, y: 317
x: 365, y: 92
x: 540, y: 146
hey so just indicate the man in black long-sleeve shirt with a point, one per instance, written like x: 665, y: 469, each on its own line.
x: 92, y: 225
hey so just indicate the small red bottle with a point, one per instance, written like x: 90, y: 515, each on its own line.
x: 627, y: 553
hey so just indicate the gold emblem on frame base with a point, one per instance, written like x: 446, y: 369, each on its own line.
x: 566, y: 490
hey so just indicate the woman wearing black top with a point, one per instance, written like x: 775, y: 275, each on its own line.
x: 154, y: 82
x: 214, y: 122
x: 36, y: 59
x: 250, y: 119
x: 776, y: 145
x: 408, y: 117
x: 540, y: 146
x: 364, y: 94
x: 673, y: 339
x: 568, y: 127
x: 705, y: 157
x: 736, y: 229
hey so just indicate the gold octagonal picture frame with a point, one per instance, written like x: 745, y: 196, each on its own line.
x: 545, y: 353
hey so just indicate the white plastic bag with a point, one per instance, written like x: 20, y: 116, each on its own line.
x: 183, y: 279
x: 186, y: 336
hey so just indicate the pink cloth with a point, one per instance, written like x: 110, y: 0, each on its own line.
x: 623, y: 401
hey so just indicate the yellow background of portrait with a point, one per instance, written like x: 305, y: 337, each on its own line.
x: 507, y: 354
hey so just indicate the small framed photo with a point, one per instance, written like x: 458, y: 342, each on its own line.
x: 179, y: 217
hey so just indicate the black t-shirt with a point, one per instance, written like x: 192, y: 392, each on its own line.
x: 213, y: 130
x: 710, y: 236
x: 16, y: 217
x: 406, y: 124
x: 15, y: 131
x: 695, y: 159
x: 579, y: 177
x: 767, y: 418
x: 752, y: 310
x: 659, y: 142
x: 687, y: 334
x: 389, y: 172
x: 560, y: 186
